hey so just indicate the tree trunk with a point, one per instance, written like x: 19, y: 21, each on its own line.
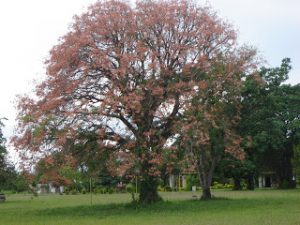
x: 206, y: 175
x: 250, y: 182
x: 148, y: 191
x: 206, y: 194
x: 237, y: 184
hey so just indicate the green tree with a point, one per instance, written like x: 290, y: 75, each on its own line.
x: 3, y: 153
x: 238, y: 170
x: 9, y: 178
x: 270, y: 118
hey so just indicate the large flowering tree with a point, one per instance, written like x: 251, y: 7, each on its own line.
x: 127, y: 74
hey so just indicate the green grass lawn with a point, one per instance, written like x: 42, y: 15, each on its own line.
x: 229, y: 208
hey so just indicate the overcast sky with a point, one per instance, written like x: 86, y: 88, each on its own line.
x: 30, y: 28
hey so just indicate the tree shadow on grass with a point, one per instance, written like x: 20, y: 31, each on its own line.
x: 161, y: 208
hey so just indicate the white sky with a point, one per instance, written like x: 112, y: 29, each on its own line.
x: 30, y: 28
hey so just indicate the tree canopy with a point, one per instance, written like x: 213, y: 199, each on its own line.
x: 270, y: 116
x: 128, y: 75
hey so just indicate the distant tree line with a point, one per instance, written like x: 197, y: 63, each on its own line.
x: 10, y: 179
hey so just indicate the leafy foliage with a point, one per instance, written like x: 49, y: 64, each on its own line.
x: 10, y: 179
x: 58, y: 169
x: 270, y: 116
x: 127, y: 76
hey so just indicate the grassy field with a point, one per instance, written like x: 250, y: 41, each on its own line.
x: 262, y: 207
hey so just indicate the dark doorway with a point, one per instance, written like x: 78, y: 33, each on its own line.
x: 267, y: 181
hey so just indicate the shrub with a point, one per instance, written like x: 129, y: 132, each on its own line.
x: 161, y: 189
x: 100, y: 190
x: 191, y: 180
x: 129, y: 188
x: 167, y: 188
x: 217, y: 185
x: 73, y: 192
x: 110, y: 190
x: 228, y: 186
